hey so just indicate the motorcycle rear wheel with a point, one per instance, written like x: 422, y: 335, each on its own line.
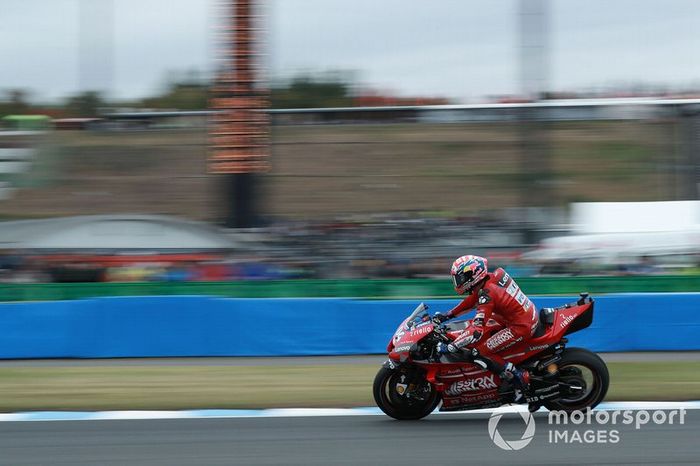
x: 399, y: 406
x: 583, y: 368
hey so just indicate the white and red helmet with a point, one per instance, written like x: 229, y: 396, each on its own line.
x: 467, y: 272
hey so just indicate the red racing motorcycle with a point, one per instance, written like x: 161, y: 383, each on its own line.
x: 415, y: 379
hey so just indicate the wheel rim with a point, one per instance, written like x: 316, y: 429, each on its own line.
x: 416, y: 398
x: 587, y: 382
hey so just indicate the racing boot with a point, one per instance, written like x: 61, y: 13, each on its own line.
x: 518, y: 379
x: 533, y: 407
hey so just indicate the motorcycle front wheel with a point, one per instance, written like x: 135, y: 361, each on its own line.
x: 403, y: 397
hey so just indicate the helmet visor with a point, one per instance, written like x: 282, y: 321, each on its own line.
x: 461, y: 278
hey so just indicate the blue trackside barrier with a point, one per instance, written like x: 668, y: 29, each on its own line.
x: 208, y: 326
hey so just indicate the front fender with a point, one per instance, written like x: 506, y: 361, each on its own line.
x: 391, y: 365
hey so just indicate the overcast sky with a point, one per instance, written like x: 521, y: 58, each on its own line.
x: 462, y: 49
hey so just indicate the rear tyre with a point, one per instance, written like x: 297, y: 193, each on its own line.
x: 587, y: 378
x: 412, y: 404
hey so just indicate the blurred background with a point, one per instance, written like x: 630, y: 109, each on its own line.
x: 400, y: 137
x: 223, y: 183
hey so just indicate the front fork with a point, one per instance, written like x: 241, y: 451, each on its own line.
x: 392, y: 365
x: 412, y: 378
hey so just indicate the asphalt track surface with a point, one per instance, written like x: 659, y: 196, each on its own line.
x: 352, y: 440
x: 650, y: 356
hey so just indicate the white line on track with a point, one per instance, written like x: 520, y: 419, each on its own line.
x: 299, y: 412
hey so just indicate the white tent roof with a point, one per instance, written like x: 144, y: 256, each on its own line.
x: 609, y: 231
x: 635, y: 217
x: 112, y: 232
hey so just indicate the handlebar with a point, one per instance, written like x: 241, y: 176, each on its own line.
x: 440, y: 330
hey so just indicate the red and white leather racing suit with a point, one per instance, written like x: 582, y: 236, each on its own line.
x: 500, y: 299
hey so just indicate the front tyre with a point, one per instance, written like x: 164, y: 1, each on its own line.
x: 404, y: 398
x: 584, y: 380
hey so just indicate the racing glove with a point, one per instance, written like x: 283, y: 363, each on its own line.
x: 468, y: 337
x: 440, y: 318
x: 445, y: 348
x: 478, y: 332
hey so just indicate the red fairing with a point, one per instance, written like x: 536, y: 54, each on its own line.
x: 404, y: 339
x: 466, y: 383
x: 564, y: 318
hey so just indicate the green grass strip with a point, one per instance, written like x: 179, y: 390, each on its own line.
x: 193, y: 387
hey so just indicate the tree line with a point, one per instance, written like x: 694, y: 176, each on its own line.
x: 186, y: 93
x: 190, y: 91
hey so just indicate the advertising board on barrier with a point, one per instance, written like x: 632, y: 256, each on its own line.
x: 172, y: 326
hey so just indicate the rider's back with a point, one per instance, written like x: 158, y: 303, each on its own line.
x: 508, y: 304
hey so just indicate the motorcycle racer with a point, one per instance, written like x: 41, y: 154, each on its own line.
x: 496, y: 296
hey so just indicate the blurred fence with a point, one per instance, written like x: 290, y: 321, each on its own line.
x: 206, y: 326
x: 322, y: 171
x: 380, y: 288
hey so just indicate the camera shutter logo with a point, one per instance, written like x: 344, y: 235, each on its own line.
x: 512, y: 444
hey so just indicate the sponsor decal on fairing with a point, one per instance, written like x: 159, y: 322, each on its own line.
x: 455, y: 402
x: 421, y: 330
x: 567, y: 320
x: 471, y: 385
x: 499, y: 338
